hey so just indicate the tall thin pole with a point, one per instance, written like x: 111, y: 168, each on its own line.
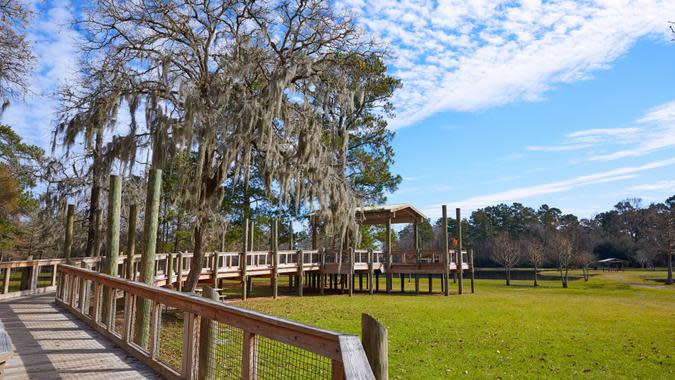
x: 275, y: 258
x: 417, y: 257
x: 70, y: 219
x: 390, y: 278
x: 242, y: 262
x: 459, y: 250
x: 147, y: 265
x: 446, y: 253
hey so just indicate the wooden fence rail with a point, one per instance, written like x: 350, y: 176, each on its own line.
x: 247, y: 342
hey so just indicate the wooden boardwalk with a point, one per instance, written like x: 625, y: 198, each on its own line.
x: 50, y: 343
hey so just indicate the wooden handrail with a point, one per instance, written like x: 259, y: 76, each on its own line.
x: 343, y: 350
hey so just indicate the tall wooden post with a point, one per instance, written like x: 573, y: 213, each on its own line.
x: 473, y: 275
x: 242, y: 262
x: 179, y: 272
x: 300, y: 261
x: 322, y: 276
x: 351, y: 271
x: 169, y: 270
x: 131, y: 241
x: 390, y: 278
x: 417, y: 257
x: 446, y: 253
x: 375, y: 344
x: 113, y: 244
x: 275, y: 257
x: 147, y: 265
x: 460, y: 270
x: 68, y: 244
x: 207, y: 339
x: 370, y: 271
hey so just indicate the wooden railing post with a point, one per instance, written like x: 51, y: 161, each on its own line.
x: 127, y: 331
x: 301, y: 262
x: 84, y: 291
x: 96, y: 314
x: 190, y: 355
x: 54, y: 272
x: 249, y: 355
x: 5, y: 281
x: 350, y: 280
x: 207, y: 339
x: 169, y: 270
x: 322, y: 276
x: 35, y: 274
x: 370, y: 271
x: 155, y: 326
x: 375, y: 344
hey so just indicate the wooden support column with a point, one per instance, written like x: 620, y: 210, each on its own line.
x: 370, y: 270
x: 300, y: 261
x: 190, y: 355
x: 460, y: 270
x: 275, y: 257
x: 446, y: 253
x: 351, y: 271
x: 375, y: 344
x: 131, y: 241
x: 112, y: 243
x: 5, y: 281
x: 207, y: 339
x: 214, y: 268
x: 169, y: 270
x: 243, y: 264
x: 70, y: 220
x: 417, y: 256
x: 249, y: 356
x: 147, y: 264
x: 84, y: 291
x: 322, y: 276
x: 390, y: 278
x: 473, y: 276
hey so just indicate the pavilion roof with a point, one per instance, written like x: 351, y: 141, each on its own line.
x: 397, y: 213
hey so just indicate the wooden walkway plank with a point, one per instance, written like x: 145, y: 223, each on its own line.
x: 49, y: 343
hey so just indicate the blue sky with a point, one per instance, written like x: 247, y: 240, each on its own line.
x: 568, y: 103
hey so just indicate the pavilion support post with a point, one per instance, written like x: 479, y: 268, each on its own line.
x: 351, y: 271
x: 113, y: 244
x: 275, y: 257
x: 70, y: 219
x: 148, y: 256
x: 460, y: 270
x: 242, y: 262
x: 389, y: 275
x: 473, y: 274
x: 431, y: 283
x: 370, y: 271
x: 446, y: 254
x: 300, y: 261
x: 417, y: 257
x: 131, y: 241
x: 322, y: 276
x: 402, y: 277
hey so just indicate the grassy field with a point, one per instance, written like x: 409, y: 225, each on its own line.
x: 617, y: 325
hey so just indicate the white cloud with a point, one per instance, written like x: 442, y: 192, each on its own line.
x: 520, y: 193
x: 469, y: 55
x: 652, y: 132
x: 666, y: 185
x: 55, y: 45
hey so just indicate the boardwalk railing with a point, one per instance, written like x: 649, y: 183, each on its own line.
x: 186, y: 330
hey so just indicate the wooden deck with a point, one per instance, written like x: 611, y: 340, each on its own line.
x: 50, y: 343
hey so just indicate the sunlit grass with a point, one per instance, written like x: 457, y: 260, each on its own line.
x: 619, y: 324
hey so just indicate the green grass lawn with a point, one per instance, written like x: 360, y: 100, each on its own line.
x: 617, y: 325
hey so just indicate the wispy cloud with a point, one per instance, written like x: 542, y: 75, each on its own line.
x: 469, y: 55
x: 520, y: 193
x: 652, y: 132
x: 666, y: 185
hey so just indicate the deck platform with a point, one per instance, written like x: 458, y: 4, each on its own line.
x: 50, y: 343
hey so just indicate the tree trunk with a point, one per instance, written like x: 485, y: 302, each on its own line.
x: 536, y: 277
x: 565, y: 279
x: 93, y: 231
x: 669, y: 281
x: 198, y: 254
x: 508, y: 276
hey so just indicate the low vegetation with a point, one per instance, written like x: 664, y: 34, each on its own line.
x: 618, y: 324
